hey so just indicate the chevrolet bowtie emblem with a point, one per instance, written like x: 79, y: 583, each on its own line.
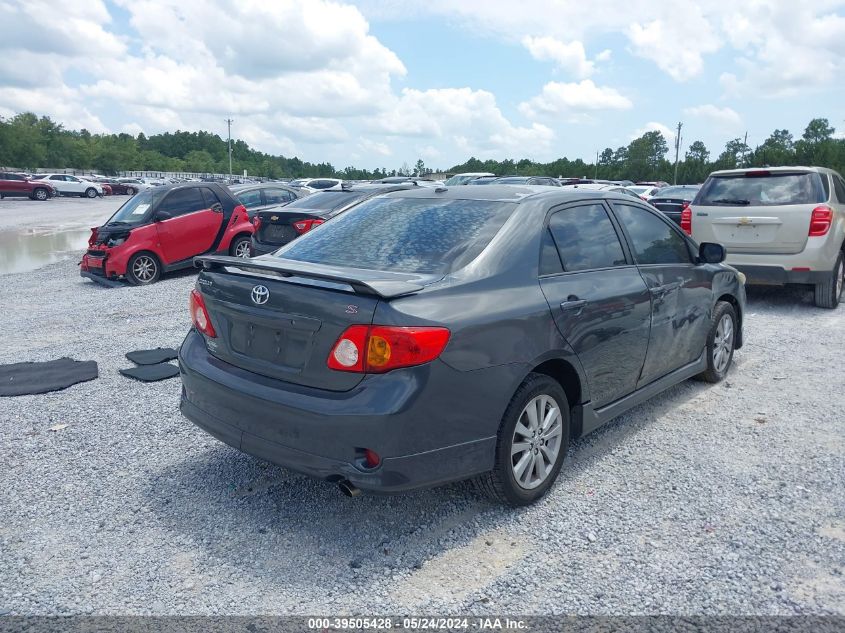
x: 745, y: 220
x: 274, y: 217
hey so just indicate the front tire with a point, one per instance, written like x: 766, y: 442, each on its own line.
x: 721, y: 341
x: 240, y: 247
x: 532, y: 443
x: 91, y: 192
x: 130, y: 191
x: 40, y: 194
x: 828, y: 292
x: 143, y: 269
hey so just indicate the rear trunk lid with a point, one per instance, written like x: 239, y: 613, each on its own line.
x: 762, y: 212
x: 281, y: 319
x: 277, y: 226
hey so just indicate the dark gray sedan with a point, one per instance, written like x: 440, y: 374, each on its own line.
x: 432, y: 335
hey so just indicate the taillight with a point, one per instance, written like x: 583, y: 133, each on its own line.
x: 199, y: 315
x: 820, y: 221
x: 93, y: 239
x: 303, y: 226
x: 256, y: 222
x: 236, y: 213
x: 686, y: 219
x: 375, y: 349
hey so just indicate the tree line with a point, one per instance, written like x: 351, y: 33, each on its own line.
x: 28, y: 141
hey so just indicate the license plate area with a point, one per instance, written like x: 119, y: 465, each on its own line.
x: 279, y: 346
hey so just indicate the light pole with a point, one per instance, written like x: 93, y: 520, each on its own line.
x: 229, y: 146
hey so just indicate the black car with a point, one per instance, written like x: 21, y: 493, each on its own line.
x: 432, y: 335
x: 484, y: 180
x: 526, y: 180
x: 277, y: 226
x: 673, y: 200
x: 257, y: 197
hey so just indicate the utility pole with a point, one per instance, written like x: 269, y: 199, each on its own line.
x: 744, y: 149
x: 677, y: 151
x: 597, y: 165
x: 229, y: 146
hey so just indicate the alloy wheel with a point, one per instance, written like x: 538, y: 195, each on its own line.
x: 723, y: 343
x: 242, y: 249
x: 144, y: 268
x: 536, y: 441
x: 40, y: 194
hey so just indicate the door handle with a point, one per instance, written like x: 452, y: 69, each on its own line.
x: 575, y: 304
x: 217, y: 207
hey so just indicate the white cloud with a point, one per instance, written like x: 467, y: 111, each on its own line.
x: 653, y: 126
x: 368, y: 146
x: 573, y: 100
x: 725, y: 119
x: 569, y: 56
x: 680, y: 57
x: 471, y: 118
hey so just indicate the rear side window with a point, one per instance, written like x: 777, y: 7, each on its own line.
x: 250, y: 199
x: 839, y: 187
x: 210, y: 197
x: 404, y: 235
x: 653, y: 240
x: 277, y: 196
x: 182, y: 201
x: 762, y: 189
x: 586, y: 239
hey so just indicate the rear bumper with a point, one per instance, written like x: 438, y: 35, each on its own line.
x: 412, y: 418
x: 779, y: 276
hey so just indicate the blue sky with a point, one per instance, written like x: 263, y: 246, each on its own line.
x: 379, y: 83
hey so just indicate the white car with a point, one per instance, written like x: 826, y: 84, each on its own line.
x: 780, y: 225
x: 68, y: 185
x: 462, y: 179
x: 644, y: 191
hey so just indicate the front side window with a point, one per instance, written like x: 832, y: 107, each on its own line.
x: 424, y: 236
x: 182, y: 201
x: 653, y: 240
x: 586, y: 239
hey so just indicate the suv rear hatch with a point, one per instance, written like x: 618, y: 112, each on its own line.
x: 281, y: 319
x: 758, y: 211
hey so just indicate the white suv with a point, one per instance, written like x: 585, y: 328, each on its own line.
x: 68, y: 185
x: 780, y: 225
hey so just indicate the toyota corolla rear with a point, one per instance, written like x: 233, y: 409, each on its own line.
x: 328, y: 357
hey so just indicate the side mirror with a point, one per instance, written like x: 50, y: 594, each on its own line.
x: 711, y: 253
x: 163, y: 215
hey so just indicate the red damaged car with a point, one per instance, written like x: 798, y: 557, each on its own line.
x: 160, y: 230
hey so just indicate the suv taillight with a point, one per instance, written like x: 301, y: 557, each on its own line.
x: 199, y: 315
x: 686, y: 219
x: 303, y: 226
x: 375, y: 349
x: 820, y: 221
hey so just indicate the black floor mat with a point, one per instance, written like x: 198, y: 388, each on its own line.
x: 151, y: 373
x: 152, y: 356
x: 20, y: 379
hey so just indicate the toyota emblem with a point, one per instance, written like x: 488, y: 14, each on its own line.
x: 260, y: 295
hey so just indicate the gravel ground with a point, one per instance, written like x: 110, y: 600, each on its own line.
x: 725, y: 499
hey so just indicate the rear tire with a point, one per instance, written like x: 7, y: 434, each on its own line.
x: 240, y: 247
x: 143, y: 269
x: 721, y: 342
x: 828, y: 292
x: 130, y: 191
x: 531, y: 447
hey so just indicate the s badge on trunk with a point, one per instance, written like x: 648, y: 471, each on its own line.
x: 260, y: 295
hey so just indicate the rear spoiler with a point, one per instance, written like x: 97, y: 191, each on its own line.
x: 384, y: 288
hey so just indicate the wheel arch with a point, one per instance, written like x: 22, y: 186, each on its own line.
x: 571, y: 381
x: 729, y: 298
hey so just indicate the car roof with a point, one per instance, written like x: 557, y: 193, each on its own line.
x: 257, y: 185
x: 504, y: 193
x: 784, y: 168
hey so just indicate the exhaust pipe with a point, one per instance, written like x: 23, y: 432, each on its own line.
x: 348, y: 488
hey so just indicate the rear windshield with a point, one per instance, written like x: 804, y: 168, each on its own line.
x: 326, y: 200
x: 767, y: 189
x: 404, y: 235
x: 516, y: 180
x: 687, y: 193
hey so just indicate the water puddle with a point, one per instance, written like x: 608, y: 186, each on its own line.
x: 22, y: 251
